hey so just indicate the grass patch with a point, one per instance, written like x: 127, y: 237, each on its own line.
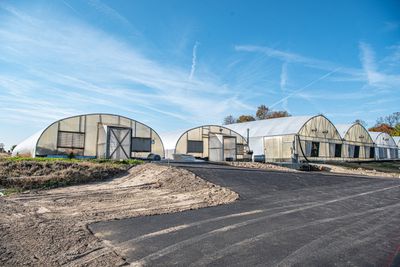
x: 12, y: 190
x: 39, y: 159
x: 32, y: 173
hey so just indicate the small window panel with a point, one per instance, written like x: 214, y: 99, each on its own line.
x: 194, y: 146
x: 338, y: 150
x: 371, y: 152
x: 240, y: 149
x: 356, y: 152
x: 75, y: 140
x: 315, y: 149
x: 141, y: 144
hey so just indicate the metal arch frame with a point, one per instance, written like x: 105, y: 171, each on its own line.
x: 90, y: 114
x: 208, y: 125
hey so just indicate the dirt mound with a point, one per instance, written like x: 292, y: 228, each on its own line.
x: 355, y: 171
x: 259, y: 165
x: 50, y: 227
x: 28, y: 174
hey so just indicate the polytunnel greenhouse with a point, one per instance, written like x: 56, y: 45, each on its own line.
x: 357, y: 143
x: 397, y: 141
x: 385, y: 146
x: 208, y: 142
x: 93, y: 136
x: 292, y: 139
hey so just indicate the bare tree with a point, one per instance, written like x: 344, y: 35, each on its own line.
x: 363, y: 123
x: 229, y: 120
x: 392, y: 120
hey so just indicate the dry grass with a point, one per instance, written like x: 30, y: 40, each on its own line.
x: 43, y: 173
x: 4, y: 155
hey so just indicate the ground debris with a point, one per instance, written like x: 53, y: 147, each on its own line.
x: 259, y: 165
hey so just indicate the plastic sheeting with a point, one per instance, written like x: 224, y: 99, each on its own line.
x: 343, y: 129
x: 397, y: 140
x: 386, y: 147
x: 85, y: 135
x: 28, y: 146
x: 271, y: 127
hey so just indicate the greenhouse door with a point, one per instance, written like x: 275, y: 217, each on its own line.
x: 229, y: 148
x: 118, y: 142
x: 215, y: 147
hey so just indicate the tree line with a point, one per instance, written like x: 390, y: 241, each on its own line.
x: 262, y: 113
x: 389, y: 124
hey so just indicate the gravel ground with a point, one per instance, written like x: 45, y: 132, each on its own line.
x: 322, y: 167
x: 49, y: 227
x: 258, y: 165
x: 355, y: 171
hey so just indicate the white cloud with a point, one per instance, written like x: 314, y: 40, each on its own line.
x: 194, y: 59
x: 375, y: 77
x: 391, y: 26
x: 75, y: 66
x: 283, y: 82
x: 296, y: 92
x: 290, y: 57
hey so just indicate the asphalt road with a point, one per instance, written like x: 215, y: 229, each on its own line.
x: 281, y: 219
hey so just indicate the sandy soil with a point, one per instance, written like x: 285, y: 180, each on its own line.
x: 322, y: 167
x: 258, y: 165
x: 355, y: 171
x: 49, y: 227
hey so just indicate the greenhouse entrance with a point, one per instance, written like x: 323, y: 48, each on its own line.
x: 118, y: 143
x: 222, y: 148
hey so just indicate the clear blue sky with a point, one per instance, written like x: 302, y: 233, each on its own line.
x: 177, y: 64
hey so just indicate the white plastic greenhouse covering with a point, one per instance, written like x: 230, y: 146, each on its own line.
x: 95, y: 135
x: 343, y: 129
x: 210, y: 142
x: 270, y: 127
x: 397, y: 141
x: 385, y: 146
x: 286, y: 139
x: 28, y: 146
x: 169, y: 140
x: 357, y: 142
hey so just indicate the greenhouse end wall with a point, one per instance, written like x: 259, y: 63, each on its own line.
x: 212, y: 142
x: 98, y: 136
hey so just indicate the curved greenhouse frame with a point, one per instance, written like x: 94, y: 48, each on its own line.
x: 357, y: 142
x: 93, y: 136
x: 292, y: 139
x: 385, y: 146
x: 209, y: 142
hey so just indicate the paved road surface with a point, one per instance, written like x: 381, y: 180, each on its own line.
x: 281, y: 219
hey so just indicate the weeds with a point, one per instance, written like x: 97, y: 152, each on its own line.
x: 32, y: 173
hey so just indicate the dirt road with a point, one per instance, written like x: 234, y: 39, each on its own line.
x: 49, y: 227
